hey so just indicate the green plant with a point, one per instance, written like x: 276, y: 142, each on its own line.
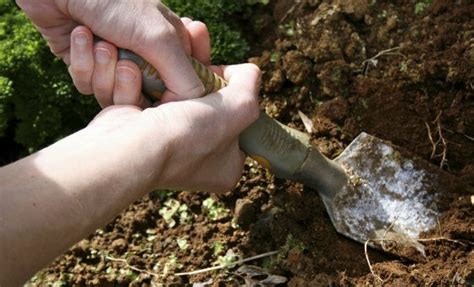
x: 173, y: 210
x: 290, y: 243
x: 403, y: 67
x: 214, y: 210
x: 288, y: 29
x: 218, y: 247
x: 253, y: 2
x: 220, y: 16
x: 383, y: 14
x: 171, y: 264
x: 228, y: 258
x: 422, y: 5
x: 182, y: 243
x: 37, y: 99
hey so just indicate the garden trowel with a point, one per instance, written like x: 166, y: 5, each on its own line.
x: 373, y: 192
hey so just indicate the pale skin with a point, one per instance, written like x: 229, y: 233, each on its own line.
x: 59, y: 195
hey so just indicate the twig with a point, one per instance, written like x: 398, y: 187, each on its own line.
x: 127, y: 265
x: 368, y: 262
x: 386, y: 232
x: 471, y: 138
x: 222, y: 266
x: 227, y: 265
x: 373, y: 60
x: 445, y: 147
x: 444, y: 239
x: 289, y: 11
x: 433, y: 144
x: 441, y: 140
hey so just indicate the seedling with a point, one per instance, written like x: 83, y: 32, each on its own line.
x: 227, y: 259
x: 403, y: 67
x: 422, y: 5
x: 171, y: 264
x: 182, y: 243
x: 215, y: 210
x: 173, y: 209
x: 288, y: 29
x: 383, y: 14
x: 291, y: 243
x: 218, y: 248
x: 275, y: 57
x: 151, y: 234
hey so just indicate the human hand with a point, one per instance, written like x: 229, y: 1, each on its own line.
x: 84, y: 180
x: 148, y: 28
x: 190, y: 144
x: 94, y: 67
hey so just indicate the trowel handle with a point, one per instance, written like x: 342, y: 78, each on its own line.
x: 275, y: 146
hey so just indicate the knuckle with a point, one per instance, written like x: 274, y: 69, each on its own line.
x: 253, y: 70
x: 167, y: 32
x: 101, y: 90
x: 80, y: 71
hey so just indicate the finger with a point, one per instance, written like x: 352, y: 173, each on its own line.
x: 240, y: 97
x: 103, y: 77
x: 186, y: 20
x: 219, y: 70
x: 59, y: 39
x: 164, y: 51
x: 200, y: 41
x: 169, y: 96
x: 127, y: 89
x: 238, y: 102
x: 155, y: 34
x: 82, y: 61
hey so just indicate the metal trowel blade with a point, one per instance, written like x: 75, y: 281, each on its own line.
x: 389, y: 196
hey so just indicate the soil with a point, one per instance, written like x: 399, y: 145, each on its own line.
x: 402, y: 74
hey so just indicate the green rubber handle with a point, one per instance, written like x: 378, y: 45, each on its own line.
x: 283, y: 150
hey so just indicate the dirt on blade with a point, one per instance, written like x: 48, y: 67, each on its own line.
x: 398, y: 70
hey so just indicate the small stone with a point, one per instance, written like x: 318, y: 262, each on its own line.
x: 355, y: 8
x: 245, y: 212
x: 297, y: 67
x: 119, y: 245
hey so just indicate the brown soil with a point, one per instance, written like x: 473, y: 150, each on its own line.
x: 319, y: 57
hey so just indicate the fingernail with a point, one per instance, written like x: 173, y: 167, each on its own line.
x: 102, y: 55
x: 80, y: 39
x: 125, y: 74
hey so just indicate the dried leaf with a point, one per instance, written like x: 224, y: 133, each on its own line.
x: 253, y: 276
x: 307, y: 122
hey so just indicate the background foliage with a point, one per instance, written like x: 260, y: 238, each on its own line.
x: 38, y: 103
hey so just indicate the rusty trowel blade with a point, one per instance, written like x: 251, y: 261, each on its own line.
x: 388, y: 195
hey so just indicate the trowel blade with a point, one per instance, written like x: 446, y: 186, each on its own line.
x: 389, y: 195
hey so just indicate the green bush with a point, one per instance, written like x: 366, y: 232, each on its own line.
x: 220, y: 16
x: 37, y: 98
x: 36, y: 94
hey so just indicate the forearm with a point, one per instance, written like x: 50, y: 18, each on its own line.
x: 56, y: 197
